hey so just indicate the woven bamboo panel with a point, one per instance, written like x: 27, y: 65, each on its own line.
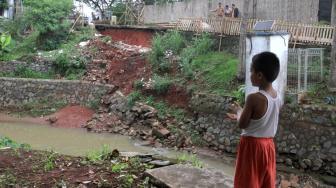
x: 304, y: 33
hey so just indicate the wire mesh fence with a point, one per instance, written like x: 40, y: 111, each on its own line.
x: 304, y: 69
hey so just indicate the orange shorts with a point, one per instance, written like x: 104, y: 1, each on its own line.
x: 256, y: 164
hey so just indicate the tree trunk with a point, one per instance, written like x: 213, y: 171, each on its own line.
x: 242, y: 41
x: 333, y: 49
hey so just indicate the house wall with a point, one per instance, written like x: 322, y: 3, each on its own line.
x: 9, y: 13
x: 304, y: 11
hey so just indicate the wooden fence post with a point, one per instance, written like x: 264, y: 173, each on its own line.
x: 332, y: 82
x: 242, y: 41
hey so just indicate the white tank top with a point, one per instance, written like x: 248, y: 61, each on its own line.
x: 266, y: 126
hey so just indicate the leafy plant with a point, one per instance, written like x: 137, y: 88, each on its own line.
x: 161, y: 84
x: 117, y: 168
x: 48, y: 18
x: 199, y: 46
x: 133, y: 97
x: 192, y: 159
x: 240, y: 94
x: 138, y: 84
x: 5, y: 40
x: 164, y: 109
x: 69, y: 66
x: 127, y: 181
x: 7, y: 142
x: 100, y: 155
x: 49, y: 161
x: 172, y: 42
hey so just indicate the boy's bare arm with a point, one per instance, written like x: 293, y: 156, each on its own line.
x: 245, y: 117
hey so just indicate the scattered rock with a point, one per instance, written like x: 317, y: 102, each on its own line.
x: 159, y: 163
x: 160, y: 132
x: 289, y: 162
x: 52, y: 119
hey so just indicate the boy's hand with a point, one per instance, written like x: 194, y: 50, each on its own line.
x: 232, y: 116
x: 235, y: 107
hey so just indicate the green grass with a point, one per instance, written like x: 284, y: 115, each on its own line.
x: 164, y: 109
x: 7, y: 142
x: 192, y: 159
x: 98, y: 156
x: 25, y: 72
x: 215, y: 70
x: 42, y: 107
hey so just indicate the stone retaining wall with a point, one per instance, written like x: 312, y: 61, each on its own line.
x: 11, y: 66
x: 305, y: 138
x: 17, y: 91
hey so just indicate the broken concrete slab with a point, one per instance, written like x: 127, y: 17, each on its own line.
x: 178, y: 176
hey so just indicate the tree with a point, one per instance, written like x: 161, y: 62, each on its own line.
x: 242, y: 41
x: 48, y: 20
x: 333, y: 48
x: 100, y: 5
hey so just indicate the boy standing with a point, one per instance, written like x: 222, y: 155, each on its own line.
x: 256, y: 164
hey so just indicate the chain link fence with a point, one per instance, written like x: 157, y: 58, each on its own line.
x: 304, y: 69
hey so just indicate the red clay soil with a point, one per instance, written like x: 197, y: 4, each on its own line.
x: 175, y: 96
x: 131, y: 36
x: 178, y: 97
x: 122, y: 68
x: 72, y: 117
x: 117, y: 67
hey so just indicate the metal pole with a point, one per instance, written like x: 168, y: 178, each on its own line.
x: 299, y: 70
x: 306, y: 71
x: 321, y: 56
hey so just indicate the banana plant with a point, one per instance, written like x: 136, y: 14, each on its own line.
x: 5, y: 40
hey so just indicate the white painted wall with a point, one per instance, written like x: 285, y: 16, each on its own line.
x: 277, y: 44
x: 9, y: 13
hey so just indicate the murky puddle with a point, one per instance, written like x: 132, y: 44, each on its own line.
x: 79, y: 142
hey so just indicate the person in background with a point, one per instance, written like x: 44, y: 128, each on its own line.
x: 228, y: 11
x: 235, y: 11
x: 219, y: 10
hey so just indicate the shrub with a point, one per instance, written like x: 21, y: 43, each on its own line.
x: 199, y: 46
x: 48, y: 18
x: 138, y: 84
x: 5, y: 41
x: 171, y: 41
x: 69, y: 66
x: 161, y: 84
x: 133, y: 97
x: 215, y: 70
x: 239, y: 94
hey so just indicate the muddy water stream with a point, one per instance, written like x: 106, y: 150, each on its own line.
x: 79, y: 142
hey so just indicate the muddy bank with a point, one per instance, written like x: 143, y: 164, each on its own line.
x: 7, y: 117
x: 22, y: 168
x: 72, y: 116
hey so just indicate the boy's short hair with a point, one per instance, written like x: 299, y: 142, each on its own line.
x: 268, y: 64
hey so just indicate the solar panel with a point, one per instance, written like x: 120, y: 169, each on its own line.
x: 263, y: 26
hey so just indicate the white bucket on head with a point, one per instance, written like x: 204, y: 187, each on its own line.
x: 274, y: 42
